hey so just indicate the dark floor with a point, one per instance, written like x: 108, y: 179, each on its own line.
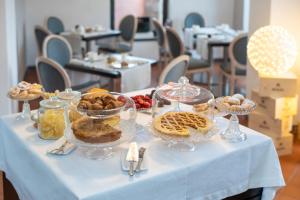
x: 290, y: 164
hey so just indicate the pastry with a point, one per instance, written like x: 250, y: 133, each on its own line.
x: 178, y: 123
x: 233, y: 101
x: 94, y: 131
x: 239, y: 96
x: 25, y: 91
x: 202, y: 107
x: 95, y: 101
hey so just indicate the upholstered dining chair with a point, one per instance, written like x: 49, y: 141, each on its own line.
x: 128, y: 28
x: 237, y: 67
x: 40, y: 34
x: 55, y: 25
x: 194, y: 19
x: 161, y: 40
x: 174, y: 70
x: 54, y: 77
x: 176, y: 48
x: 58, y: 49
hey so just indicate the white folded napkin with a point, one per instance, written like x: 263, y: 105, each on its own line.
x: 133, y: 152
x: 68, y: 148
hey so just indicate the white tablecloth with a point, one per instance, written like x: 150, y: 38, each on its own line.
x: 216, y: 170
x: 135, y: 78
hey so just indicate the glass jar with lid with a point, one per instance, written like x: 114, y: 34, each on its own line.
x: 51, y: 118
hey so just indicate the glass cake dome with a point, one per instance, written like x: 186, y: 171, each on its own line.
x: 174, y: 119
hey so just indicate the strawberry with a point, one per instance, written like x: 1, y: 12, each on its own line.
x: 138, y: 106
x: 140, y: 101
x: 146, y: 98
x: 146, y: 105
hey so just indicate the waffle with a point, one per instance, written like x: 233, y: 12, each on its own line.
x: 178, y: 123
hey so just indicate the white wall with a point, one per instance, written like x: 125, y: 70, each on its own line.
x: 215, y: 12
x: 238, y: 15
x: 72, y: 12
x: 8, y: 54
x: 259, y: 16
x: 286, y: 14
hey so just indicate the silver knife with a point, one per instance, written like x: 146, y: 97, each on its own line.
x: 141, y: 157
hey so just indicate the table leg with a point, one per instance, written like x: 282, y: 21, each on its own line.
x: 88, y: 46
x: 116, y: 84
x: 9, y: 192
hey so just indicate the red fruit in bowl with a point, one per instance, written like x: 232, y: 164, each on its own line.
x: 146, y: 105
x: 122, y: 99
x: 146, y: 98
x: 138, y: 106
x: 140, y: 101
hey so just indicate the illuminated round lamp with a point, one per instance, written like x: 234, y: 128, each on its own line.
x: 272, y: 50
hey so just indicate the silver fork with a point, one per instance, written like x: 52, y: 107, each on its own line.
x: 59, y: 150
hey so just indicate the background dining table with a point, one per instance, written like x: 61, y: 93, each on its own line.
x: 204, y: 38
x: 88, y: 37
x: 135, y: 77
x: 217, y: 169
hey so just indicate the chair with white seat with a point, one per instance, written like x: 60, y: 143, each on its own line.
x: 40, y: 35
x: 237, y: 67
x: 128, y: 28
x: 54, y: 77
x: 194, y: 19
x: 196, y: 66
x: 58, y: 49
x: 174, y: 70
x: 55, y: 25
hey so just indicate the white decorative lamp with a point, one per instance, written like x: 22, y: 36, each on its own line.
x: 272, y: 51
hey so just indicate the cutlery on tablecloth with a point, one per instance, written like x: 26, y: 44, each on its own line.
x: 61, y: 147
x: 141, y: 157
x: 132, y: 157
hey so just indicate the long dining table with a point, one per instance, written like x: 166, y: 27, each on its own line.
x: 215, y: 170
x: 88, y: 37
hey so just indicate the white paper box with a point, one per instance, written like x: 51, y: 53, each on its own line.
x: 283, y: 86
x: 265, y: 124
x: 275, y: 107
x: 284, y: 145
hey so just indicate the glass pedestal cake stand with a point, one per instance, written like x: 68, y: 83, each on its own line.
x: 185, y: 143
x: 120, y: 118
x: 26, y: 112
x: 233, y: 132
x: 101, y: 151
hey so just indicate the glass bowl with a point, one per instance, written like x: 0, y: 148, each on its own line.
x: 97, y: 131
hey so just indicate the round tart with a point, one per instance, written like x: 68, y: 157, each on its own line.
x: 179, y: 123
